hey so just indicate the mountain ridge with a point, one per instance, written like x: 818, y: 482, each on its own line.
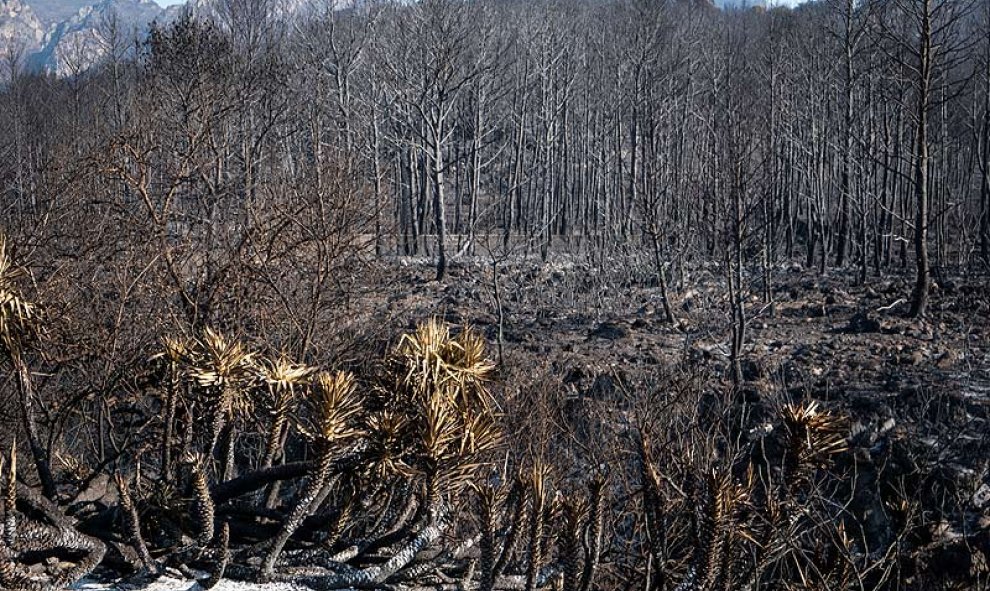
x: 68, y: 36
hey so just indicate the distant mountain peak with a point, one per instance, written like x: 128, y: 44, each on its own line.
x: 20, y: 28
x: 81, y: 40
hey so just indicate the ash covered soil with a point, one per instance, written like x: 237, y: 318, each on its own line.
x: 916, y: 393
x: 833, y: 338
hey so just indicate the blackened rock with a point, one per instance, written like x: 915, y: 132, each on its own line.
x: 610, y: 331
x: 862, y: 322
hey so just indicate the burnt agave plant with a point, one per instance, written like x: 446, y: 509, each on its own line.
x: 174, y: 354
x: 221, y: 370
x: 283, y: 381
x: 335, y: 411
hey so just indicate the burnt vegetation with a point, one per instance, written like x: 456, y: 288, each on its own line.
x: 484, y: 295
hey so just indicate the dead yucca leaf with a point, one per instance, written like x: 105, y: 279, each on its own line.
x: 433, y: 361
x: 389, y: 446
x: 221, y: 367
x: 218, y: 360
x: 540, y: 483
x: 731, y: 496
x: 491, y: 496
x: 813, y: 436
x: 174, y: 350
x: 283, y: 377
x: 73, y: 466
x: 336, y: 408
x: 718, y: 526
x: 481, y: 433
x: 438, y: 383
x: 19, y: 317
x: 441, y: 428
x: 281, y: 373
x: 575, y: 511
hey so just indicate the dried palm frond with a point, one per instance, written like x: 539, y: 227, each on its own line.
x: 813, y: 437
x: 434, y: 362
x: 389, y: 449
x: 336, y: 409
x: 19, y: 318
x: 174, y: 350
x: 218, y: 360
x: 221, y: 368
x: 281, y: 374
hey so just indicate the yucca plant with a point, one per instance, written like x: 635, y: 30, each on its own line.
x: 221, y: 370
x: 424, y: 425
x: 717, y: 530
x: 594, y: 530
x: 389, y: 446
x: 201, y: 508
x: 334, y: 421
x: 491, y: 502
x: 133, y: 524
x: 282, y: 379
x: 813, y: 437
x: 431, y: 363
x: 20, y: 322
x: 436, y: 421
x: 540, y: 488
x: 575, y: 512
x: 743, y: 527
x: 222, y: 557
x: 174, y: 353
x: 439, y: 384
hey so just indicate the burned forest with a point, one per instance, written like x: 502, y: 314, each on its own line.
x: 492, y: 295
